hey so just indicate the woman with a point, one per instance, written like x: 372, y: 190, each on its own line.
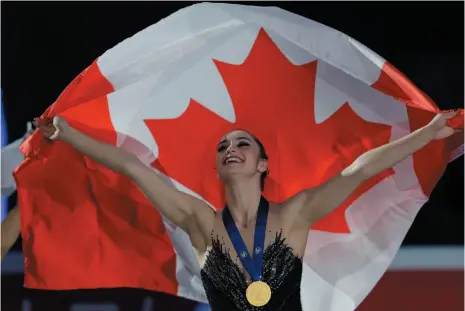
x: 275, y: 233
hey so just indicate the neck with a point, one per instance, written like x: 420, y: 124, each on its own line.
x: 243, y: 199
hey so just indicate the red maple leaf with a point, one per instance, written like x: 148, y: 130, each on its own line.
x: 274, y: 100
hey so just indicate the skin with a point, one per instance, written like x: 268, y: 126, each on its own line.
x: 11, y: 225
x: 242, y: 184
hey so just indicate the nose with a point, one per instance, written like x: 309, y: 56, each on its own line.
x: 230, y: 149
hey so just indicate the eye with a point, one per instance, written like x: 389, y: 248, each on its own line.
x: 221, y: 148
x: 243, y: 144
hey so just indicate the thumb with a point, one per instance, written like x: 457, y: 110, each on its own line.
x: 57, y: 121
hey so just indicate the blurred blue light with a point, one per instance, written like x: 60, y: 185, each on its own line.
x: 202, y: 307
x: 4, y: 132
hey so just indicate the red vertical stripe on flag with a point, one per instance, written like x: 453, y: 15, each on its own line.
x: 83, y: 225
x: 431, y: 161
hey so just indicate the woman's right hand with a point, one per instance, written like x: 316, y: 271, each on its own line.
x: 54, y: 129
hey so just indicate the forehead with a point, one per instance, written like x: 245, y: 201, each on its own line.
x: 233, y: 135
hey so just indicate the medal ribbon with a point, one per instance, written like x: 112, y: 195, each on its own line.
x: 253, y: 265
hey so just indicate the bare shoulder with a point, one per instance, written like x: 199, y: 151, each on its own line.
x: 201, y: 223
x: 295, y: 203
x: 294, y: 229
x: 291, y: 209
x: 204, y: 213
x: 275, y: 210
x: 188, y: 212
x: 279, y: 216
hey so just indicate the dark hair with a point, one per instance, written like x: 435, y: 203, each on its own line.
x: 263, y: 156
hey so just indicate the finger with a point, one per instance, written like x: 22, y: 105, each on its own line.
x: 50, y: 128
x: 38, y: 122
x: 49, y: 134
x: 45, y: 129
x: 54, y: 136
x: 450, y: 114
x: 56, y: 120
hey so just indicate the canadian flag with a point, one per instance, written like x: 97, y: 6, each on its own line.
x: 315, y: 97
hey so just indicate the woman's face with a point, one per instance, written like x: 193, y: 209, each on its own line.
x: 238, y: 155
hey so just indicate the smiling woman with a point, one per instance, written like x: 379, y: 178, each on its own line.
x: 266, y: 269
x: 243, y: 142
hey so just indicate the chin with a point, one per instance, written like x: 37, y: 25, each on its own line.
x: 232, y: 172
x: 232, y: 177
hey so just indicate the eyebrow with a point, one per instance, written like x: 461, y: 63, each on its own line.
x: 239, y: 138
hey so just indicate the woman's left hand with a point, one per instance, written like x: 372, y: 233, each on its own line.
x: 439, y: 128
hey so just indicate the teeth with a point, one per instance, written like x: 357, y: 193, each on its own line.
x: 232, y: 160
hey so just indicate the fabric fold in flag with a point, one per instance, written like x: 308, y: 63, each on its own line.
x: 315, y: 97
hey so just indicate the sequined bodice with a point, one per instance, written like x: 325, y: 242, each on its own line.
x: 225, y: 283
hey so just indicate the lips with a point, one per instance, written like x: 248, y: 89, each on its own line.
x: 232, y: 159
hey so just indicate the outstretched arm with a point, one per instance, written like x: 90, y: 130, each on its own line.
x: 313, y: 204
x: 189, y: 213
x: 11, y: 227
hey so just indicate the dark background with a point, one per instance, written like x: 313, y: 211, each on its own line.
x: 46, y: 44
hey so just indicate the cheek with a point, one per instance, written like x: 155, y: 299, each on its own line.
x: 218, y: 161
x: 250, y: 155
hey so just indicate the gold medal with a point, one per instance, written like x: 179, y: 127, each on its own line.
x: 258, y: 293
